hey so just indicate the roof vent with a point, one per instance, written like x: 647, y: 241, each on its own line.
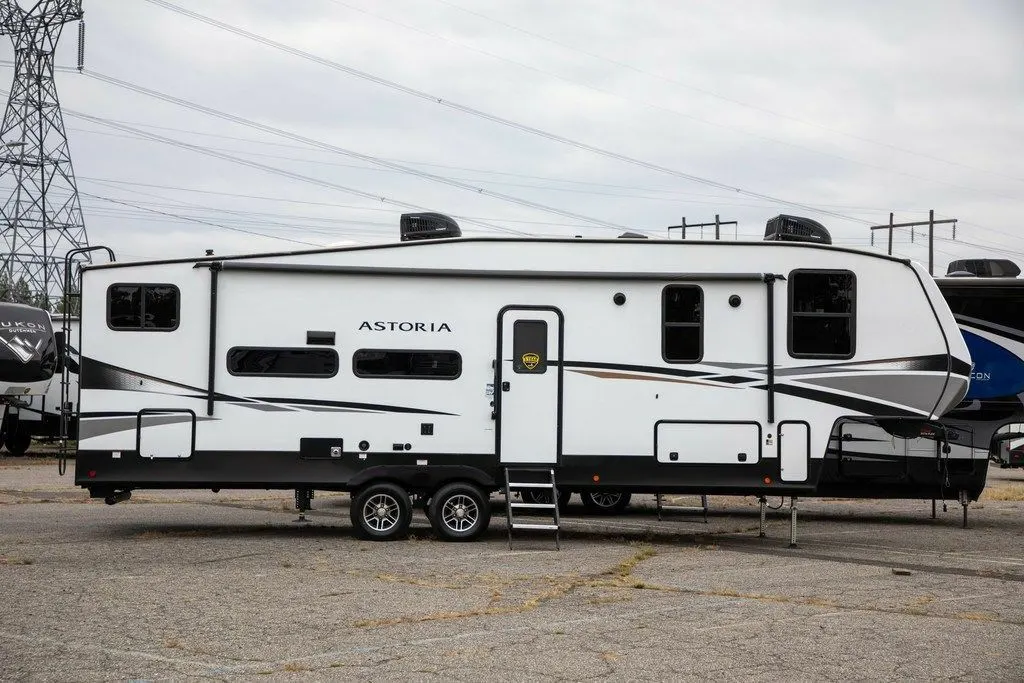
x: 632, y: 236
x: 796, y: 229
x: 428, y: 226
x: 983, y: 267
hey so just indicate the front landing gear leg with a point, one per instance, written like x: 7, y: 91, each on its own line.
x: 792, y: 522
x: 965, y: 501
x: 303, y: 502
x: 760, y: 530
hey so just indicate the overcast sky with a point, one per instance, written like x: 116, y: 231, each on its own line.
x: 857, y: 109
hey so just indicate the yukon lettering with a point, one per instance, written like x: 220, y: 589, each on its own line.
x: 403, y: 326
x: 7, y: 323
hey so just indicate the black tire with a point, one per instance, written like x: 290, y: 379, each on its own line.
x: 459, y: 512
x: 542, y: 496
x: 18, y: 443
x: 605, y: 502
x: 381, y: 512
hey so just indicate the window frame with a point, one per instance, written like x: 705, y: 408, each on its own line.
x: 315, y: 349
x: 791, y: 314
x: 700, y: 325
x: 142, y: 286
x: 437, y: 378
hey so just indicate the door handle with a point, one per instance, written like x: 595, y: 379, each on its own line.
x: 504, y: 386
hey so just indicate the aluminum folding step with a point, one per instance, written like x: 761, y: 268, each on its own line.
x: 659, y: 499
x: 519, y: 484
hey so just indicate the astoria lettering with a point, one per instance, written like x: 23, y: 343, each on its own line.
x: 403, y: 326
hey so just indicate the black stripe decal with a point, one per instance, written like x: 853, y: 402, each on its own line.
x: 653, y: 369
x: 859, y: 405
x: 732, y: 379
x: 990, y: 328
x: 350, y: 404
x: 99, y: 375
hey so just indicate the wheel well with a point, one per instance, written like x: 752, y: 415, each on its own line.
x: 422, y: 479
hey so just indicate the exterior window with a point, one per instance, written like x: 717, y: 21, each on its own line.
x: 682, y: 318
x: 530, y: 347
x: 142, y: 307
x: 392, y: 364
x: 995, y: 305
x: 282, y: 362
x: 821, y: 313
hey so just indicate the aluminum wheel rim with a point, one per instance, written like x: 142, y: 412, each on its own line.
x: 535, y: 497
x: 606, y: 500
x: 381, y: 512
x: 460, y: 513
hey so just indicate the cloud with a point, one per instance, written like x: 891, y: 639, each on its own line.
x: 857, y: 109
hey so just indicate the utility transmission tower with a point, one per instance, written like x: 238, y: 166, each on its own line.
x: 40, y: 214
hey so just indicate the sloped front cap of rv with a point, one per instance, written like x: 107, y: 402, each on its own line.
x: 28, y: 351
x: 428, y: 226
x: 796, y: 229
x: 983, y: 267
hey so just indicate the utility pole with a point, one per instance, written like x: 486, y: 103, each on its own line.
x: 717, y: 224
x: 40, y: 213
x: 931, y: 223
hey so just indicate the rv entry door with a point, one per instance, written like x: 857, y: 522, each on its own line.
x: 529, y: 383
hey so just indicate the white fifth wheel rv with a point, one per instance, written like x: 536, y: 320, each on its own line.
x: 28, y: 359
x: 910, y: 459
x: 437, y: 366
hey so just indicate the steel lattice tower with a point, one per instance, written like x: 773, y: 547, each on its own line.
x: 40, y: 213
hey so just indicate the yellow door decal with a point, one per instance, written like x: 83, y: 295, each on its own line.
x: 531, y: 360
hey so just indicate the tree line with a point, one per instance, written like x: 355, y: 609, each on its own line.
x: 20, y: 292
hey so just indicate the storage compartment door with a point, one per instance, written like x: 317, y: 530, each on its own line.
x: 708, y: 443
x: 166, y: 433
x: 794, y: 451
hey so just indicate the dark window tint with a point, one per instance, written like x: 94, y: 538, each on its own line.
x: 821, y: 313
x: 682, y: 323
x: 124, y: 307
x: 384, y: 363
x: 282, y: 362
x: 530, y: 347
x: 996, y: 305
x: 160, y: 307
x: 142, y: 307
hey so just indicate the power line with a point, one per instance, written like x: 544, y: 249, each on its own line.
x: 659, y: 107
x: 545, y: 179
x: 282, y: 172
x: 487, y: 116
x: 284, y: 200
x: 350, y: 153
x: 724, y: 98
x: 194, y: 220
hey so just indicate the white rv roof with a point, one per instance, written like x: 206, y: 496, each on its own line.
x: 435, y: 243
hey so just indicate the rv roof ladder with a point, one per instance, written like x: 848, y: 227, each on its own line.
x: 71, y: 295
x: 543, y: 499
x: 659, y: 500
